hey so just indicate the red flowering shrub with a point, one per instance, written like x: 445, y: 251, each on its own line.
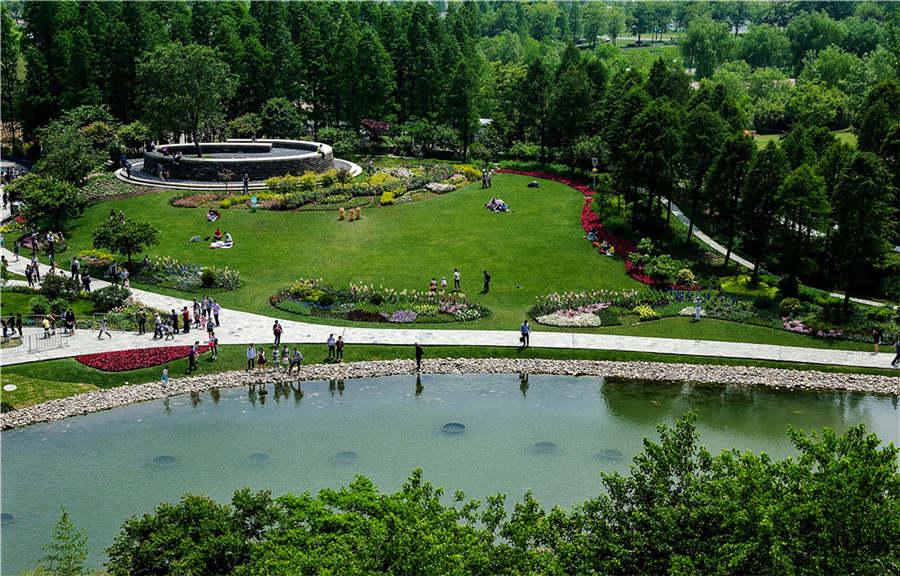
x: 122, y: 360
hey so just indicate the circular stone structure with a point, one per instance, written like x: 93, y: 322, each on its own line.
x: 610, y: 455
x: 6, y: 518
x: 259, y: 458
x: 453, y: 428
x: 165, y: 461
x: 544, y: 447
x: 259, y: 160
x: 346, y: 457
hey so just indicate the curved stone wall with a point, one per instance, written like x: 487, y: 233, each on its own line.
x: 257, y: 159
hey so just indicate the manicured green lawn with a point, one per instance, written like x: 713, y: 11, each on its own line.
x: 49, y: 379
x: 536, y: 248
x: 845, y: 136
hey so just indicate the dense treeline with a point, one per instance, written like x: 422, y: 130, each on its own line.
x: 557, y: 80
x: 834, y: 509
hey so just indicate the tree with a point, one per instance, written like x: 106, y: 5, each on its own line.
x: 861, y: 214
x: 704, y: 135
x: 759, y: 205
x: 134, y: 136
x: 125, y: 236
x: 706, y: 45
x: 67, y: 153
x: 811, y: 31
x: 374, y: 78
x: 654, y: 148
x: 9, y: 67
x: 535, y: 102
x: 802, y: 211
x: 183, y: 88
x: 765, y: 46
x: 724, y: 186
x: 48, y: 202
x: 67, y: 551
x: 880, y: 111
x: 280, y: 119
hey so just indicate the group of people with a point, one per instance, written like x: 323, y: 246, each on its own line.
x: 11, y: 326
x: 486, y: 177
x: 222, y: 241
x: 433, y: 285
x: 283, y: 359
x: 497, y: 205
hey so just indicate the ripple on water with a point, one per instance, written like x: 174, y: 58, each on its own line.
x: 609, y: 455
x: 346, y: 457
x: 259, y: 458
x: 544, y: 447
x: 165, y: 461
x: 453, y: 428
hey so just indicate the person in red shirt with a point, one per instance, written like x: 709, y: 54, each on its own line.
x: 186, y: 319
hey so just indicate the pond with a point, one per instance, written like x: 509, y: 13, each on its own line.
x: 482, y: 434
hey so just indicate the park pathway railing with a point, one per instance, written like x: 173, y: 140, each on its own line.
x: 40, y: 342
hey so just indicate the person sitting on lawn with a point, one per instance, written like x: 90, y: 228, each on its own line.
x: 611, y: 251
x: 212, y: 215
x: 226, y: 242
x: 217, y: 235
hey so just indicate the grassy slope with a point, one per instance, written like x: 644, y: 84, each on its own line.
x: 57, y: 378
x: 538, y: 246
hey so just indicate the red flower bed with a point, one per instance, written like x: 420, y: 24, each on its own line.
x: 122, y: 360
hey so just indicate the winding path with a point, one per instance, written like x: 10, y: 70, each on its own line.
x: 244, y: 328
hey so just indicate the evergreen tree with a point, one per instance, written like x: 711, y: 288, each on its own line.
x: 67, y: 551
x: 759, y: 205
x: 704, y: 134
x: 724, y: 186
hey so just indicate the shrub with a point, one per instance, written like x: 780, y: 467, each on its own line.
x: 789, y: 286
x: 790, y: 307
x: 335, y: 199
x: 713, y: 283
x: 284, y: 185
x: 327, y: 178
x: 645, y: 313
x: 106, y: 299
x: 662, y: 269
x: 59, y: 305
x: 58, y: 286
x: 326, y: 299
x: 880, y: 314
x: 764, y: 301
x: 39, y: 305
x: 387, y: 198
x: 104, y: 186
x: 207, y: 277
x: 308, y: 181
x: 685, y: 277
x: 471, y: 173
x: 96, y: 257
x: 741, y: 285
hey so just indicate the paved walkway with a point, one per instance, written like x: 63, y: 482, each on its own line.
x: 676, y: 211
x: 244, y: 327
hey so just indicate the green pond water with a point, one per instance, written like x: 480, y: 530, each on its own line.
x: 550, y: 434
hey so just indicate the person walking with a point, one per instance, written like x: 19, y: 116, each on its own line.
x: 876, y: 338
x: 16, y: 248
x: 19, y: 324
x: 35, y: 269
x: 487, y: 283
x: 525, y: 330
x: 210, y: 327
x: 75, y: 267
x: 213, y: 346
x: 192, y: 357
x: 157, y: 326
x: 173, y: 319
x: 186, y: 319
x: 419, y: 353
x: 456, y: 277
x: 331, y: 347
x: 104, y: 329
x: 251, y: 357
x: 142, y: 321
x: 86, y: 281
x: 276, y: 331
x: 896, y: 361
x: 339, y: 347
x: 215, y: 310
x: 246, y: 179
x: 46, y: 325
x: 165, y: 377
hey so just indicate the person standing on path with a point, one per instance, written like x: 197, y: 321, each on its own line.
x: 419, y: 354
x: 487, y: 283
x: 16, y: 250
x: 525, y: 330
x: 76, y: 266
x: 19, y: 324
x: 876, y: 338
x: 339, y: 346
x: 251, y: 357
x: 173, y: 318
x: 142, y: 321
x: 165, y: 377
x: 86, y: 281
x: 103, y: 330
x: 186, y: 319
x: 896, y: 361
x: 210, y: 327
x: 456, y: 278
x: 331, y: 344
x: 215, y: 310
x: 35, y: 269
x: 276, y: 331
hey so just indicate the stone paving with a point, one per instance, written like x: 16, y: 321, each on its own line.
x: 244, y: 327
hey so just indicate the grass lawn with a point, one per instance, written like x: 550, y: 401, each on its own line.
x: 845, y: 136
x: 40, y: 381
x: 536, y: 248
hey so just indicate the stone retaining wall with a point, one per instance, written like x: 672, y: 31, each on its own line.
x: 206, y: 169
x: 740, y: 375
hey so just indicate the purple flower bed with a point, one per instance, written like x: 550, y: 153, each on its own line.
x: 402, y: 317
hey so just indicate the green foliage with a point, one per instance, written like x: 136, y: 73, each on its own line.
x: 68, y: 152
x: 59, y: 286
x: 742, y: 285
x: 679, y: 508
x: 110, y: 297
x: 245, y: 126
x: 67, y: 551
x: 279, y: 119
x: 48, y: 201
x: 789, y: 307
x: 39, y: 305
x: 126, y: 237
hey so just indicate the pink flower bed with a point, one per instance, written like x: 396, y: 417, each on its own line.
x: 801, y: 328
x: 122, y: 360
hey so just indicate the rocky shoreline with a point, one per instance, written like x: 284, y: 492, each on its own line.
x: 705, y: 374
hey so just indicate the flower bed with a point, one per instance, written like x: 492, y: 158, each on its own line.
x: 123, y: 360
x: 171, y: 273
x: 365, y: 303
